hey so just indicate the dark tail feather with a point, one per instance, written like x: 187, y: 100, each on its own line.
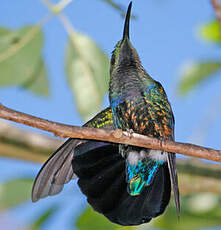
x: 171, y: 158
x: 55, y: 172
x: 102, y: 178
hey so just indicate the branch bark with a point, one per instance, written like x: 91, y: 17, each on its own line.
x: 193, y: 184
x: 25, y: 145
x: 115, y: 136
x: 217, y: 7
x: 194, y: 175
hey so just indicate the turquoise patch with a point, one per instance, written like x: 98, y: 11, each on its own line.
x: 150, y: 87
x: 115, y: 101
x: 141, y: 175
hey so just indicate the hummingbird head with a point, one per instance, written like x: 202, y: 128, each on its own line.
x: 124, y: 53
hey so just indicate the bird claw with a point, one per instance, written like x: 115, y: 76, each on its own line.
x: 129, y: 133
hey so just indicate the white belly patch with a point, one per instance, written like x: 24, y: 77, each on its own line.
x: 134, y: 157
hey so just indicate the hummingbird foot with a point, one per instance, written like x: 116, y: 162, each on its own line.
x: 129, y: 133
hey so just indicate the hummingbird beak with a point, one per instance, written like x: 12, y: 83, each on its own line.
x: 127, y: 23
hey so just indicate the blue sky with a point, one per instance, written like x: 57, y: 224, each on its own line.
x: 165, y: 36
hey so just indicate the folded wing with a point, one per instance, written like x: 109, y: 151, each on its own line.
x: 58, y: 170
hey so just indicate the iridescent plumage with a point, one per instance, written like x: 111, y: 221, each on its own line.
x: 58, y: 169
x: 127, y: 184
x: 139, y: 104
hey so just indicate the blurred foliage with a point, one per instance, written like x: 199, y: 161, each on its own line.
x: 87, y: 69
x: 20, y: 59
x: 118, y: 7
x: 21, y: 64
x: 94, y: 221
x: 211, y: 32
x: 198, y: 211
x: 196, y: 73
x: 44, y: 217
x: 15, y: 192
x: 38, y: 83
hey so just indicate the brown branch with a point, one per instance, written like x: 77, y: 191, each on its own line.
x: 17, y: 136
x: 115, y: 136
x: 22, y: 153
x: 190, y: 184
x: 21, y: 144
x: 196, y: 167
x: 25, y: 145
x: 217, y: 8
x: 194, y: 175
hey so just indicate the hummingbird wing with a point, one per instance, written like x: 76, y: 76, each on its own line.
x: 171, y: 159
x: 102, y: 178
x: 58, y: 170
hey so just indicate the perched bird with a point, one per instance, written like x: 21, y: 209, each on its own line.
x: 127, y: 184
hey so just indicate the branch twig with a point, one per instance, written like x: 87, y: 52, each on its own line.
x: 217, y: 8
x: 193, y: 184
x: 194, y: 175
x: 25, y: 145
x: 115, y: 136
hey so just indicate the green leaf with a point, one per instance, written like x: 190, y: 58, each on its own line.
x: 91, y: 220
x: 20, y: 52
x: 38, y: 83
x: 211, y: 32
x: 190, y: 219
x: 87, y: 69
x: 196, y: 73
x: 116, y: 6
x: 43, y: 218
x: 14, y: 192
x: 3, y: 32
x: 198, y: 211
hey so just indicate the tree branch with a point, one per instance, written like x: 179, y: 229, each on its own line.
x: 115, y: 136
x: 193, y: 166
x: 217, y: 7
x: 190, y: 184
x: 194, y: 175
x: 25, y: 145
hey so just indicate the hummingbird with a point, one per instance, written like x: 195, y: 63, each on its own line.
x: 129, y: 185
x: 139, y: 104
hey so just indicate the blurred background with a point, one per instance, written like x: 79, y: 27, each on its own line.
x: 54, y: 64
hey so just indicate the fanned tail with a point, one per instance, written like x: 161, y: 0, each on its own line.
x: 102, y: 178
